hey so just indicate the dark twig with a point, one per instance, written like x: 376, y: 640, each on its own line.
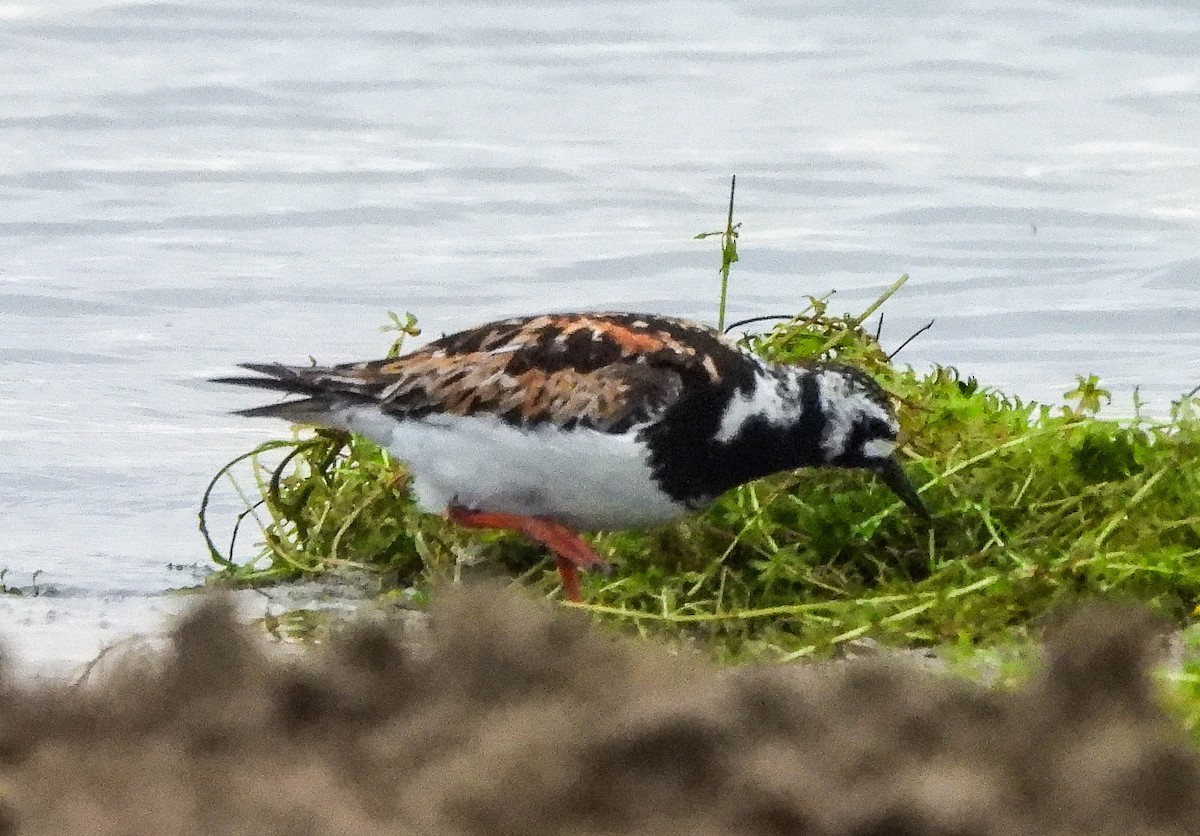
x: 751, y: 319
x: 208, y: 491
x: 879, y: 327
x: 238, y: 524
x: 916, y: 334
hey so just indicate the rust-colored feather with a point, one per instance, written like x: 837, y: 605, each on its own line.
x: 607, y: 371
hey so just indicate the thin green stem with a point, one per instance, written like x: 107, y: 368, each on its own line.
x: 728, y: 255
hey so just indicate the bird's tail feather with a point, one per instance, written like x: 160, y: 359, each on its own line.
x: 290, y: 386
x: 319, y: 407
x: 298, y: 379
x: 316, y: 411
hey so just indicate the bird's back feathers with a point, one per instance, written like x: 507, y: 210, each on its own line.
x: 603, y: 371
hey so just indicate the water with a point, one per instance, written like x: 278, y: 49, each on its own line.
x: 188, y: 185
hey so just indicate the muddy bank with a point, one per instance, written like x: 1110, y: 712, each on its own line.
x: 518, y: 720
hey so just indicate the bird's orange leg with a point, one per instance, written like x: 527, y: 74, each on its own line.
x: 571, y: 552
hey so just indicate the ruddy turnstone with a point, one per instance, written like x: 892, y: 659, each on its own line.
x: 549, y: 425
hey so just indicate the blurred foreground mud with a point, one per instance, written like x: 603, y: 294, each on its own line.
x: 514, y: 719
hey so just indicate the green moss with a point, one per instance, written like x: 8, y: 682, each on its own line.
x: 1034, y: 506
x: 1181, y: 685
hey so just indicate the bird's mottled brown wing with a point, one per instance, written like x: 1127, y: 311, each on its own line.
x: 604, y: 371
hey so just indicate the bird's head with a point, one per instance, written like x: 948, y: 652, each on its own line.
x: 860, y: 429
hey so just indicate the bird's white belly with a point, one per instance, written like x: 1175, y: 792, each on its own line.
x: 583, y: 478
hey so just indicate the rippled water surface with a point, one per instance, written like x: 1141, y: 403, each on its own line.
x: 188, y: 185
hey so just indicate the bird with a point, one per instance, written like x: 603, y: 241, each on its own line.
x: 556, y: 424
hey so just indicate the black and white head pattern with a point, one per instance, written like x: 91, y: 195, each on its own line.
x: 860, y: 427
x: 820, y: 414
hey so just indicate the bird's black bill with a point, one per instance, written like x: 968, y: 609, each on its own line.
x: 893, y: 475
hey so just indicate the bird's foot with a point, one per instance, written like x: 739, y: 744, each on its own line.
x: 571, y: 552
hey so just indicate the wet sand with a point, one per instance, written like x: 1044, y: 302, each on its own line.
x: 508, y: 717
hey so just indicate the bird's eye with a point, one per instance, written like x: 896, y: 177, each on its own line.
x: 878, y: 428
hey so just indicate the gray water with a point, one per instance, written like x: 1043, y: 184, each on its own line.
x: 189, y: 185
